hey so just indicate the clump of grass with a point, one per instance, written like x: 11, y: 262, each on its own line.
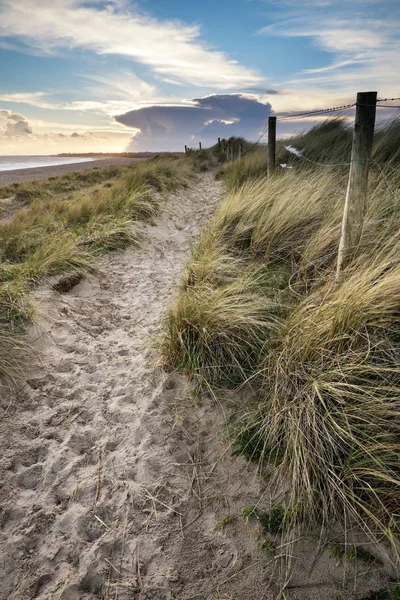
x: 201, y: 339
x: 251, y: 166
x: 359, y: 553
x: 259, y: 302
x: 63, y: 234
x: 383, y: 594
x: 110, y: 234
x: 225, y: 521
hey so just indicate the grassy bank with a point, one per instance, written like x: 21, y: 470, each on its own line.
x: 56, y: 234
x: 259, y: 305
x: 327, y: 143
x: 71, y: 182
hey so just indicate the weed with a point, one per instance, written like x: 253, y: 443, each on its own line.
x: 248, y: 443
x: 274, y: 522
x: 269, y: 548
x: 383, y: 594
x: 358, y: 553
x: 249, y: 512
x: 224, y: 522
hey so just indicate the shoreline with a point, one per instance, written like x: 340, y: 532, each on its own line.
x: 39, y: 173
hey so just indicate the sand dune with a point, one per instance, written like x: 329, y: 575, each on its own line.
x: 39, y: 173
x: 115, y: 476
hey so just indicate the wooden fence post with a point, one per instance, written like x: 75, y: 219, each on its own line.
x: 219, y: 143
x: 271, y: 145
x: 199, y: 145
x: 356, y: 197
x: 185, y: 149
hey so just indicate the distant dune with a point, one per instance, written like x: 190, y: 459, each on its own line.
x: 20, y: 175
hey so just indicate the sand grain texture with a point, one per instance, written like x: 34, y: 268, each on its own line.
x: 112, y: 478
x: 114, y: 475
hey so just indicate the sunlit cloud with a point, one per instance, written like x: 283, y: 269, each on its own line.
x: 17, y: 136
x: 169, y: 48
x: 200, y: 120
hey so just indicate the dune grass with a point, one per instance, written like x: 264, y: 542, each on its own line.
x: 70, y: 182
x: 60, y: 234
x: 259, y: 305
x: 327, y: 143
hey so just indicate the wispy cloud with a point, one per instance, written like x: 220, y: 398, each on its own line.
x: 364, y: 49
x: 108, y: 94
x: 169, y: 48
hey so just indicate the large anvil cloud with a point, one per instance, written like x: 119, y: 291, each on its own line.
x: 204, y: 119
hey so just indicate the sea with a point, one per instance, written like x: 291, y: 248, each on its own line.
x: 12, y: 163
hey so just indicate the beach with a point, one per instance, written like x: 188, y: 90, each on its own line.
x: 37, y: 173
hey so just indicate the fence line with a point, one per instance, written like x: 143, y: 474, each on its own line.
x: 310, y: 113
x: 316, y: 112
x: 361, y: 159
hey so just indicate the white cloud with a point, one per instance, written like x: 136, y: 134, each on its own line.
x: 169, y: 48
x: 107, y: 94
x: 365, y: 50
x: 18, y: 137
x: 16, y: 124
x: 202, y: 119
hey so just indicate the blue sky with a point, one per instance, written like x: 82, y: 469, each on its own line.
x: 95, y: 75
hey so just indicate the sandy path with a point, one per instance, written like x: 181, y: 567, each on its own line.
x: 114, y: 476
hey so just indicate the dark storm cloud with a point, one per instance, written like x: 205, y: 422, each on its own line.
x: 206, y: 119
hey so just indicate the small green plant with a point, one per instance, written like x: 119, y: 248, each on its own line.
x: 249, y: 444
x: 225, y: 521
x: 274, y: 521
x: 249, y: 512
x: 383, y: 594
x: 340, y: 550
x: 269, y: 548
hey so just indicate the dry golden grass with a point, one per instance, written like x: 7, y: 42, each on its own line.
x: 58, y: 234
x: 259, y: 302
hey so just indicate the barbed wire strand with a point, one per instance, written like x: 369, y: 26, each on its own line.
x: 390, y: 167
x: 319, y: 164
x: 386, y: 179
x: 316, y: 112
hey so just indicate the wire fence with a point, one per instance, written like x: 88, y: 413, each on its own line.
x: 355, y: 198
x: 301, y: 115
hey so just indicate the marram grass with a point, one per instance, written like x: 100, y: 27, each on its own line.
x: 65, y: 222
x: 258, y: 302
